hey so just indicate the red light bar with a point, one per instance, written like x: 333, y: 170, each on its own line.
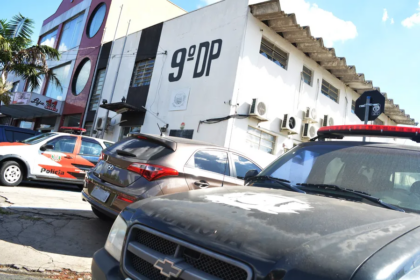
x: 73, y: 128
x: 339, y: 131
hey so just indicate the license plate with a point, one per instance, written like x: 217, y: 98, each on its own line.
x: 100, y: 194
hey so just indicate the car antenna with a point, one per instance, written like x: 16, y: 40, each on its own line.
x: 161, y: 133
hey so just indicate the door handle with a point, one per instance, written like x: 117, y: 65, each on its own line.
x: 68, y: 157
x: 201, y: 184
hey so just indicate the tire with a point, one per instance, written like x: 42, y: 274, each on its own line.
x: 100, y: 215
x: 11, y: 174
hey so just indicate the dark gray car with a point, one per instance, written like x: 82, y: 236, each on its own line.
x: 142, y: 166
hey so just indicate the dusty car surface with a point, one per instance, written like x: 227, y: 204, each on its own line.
x: 143, y: 166
x: 326, y: 218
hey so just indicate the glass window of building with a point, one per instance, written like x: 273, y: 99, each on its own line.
x: 353, y: 106
x: 81, y: 76
x: 329, y: 91
x: 15, y: 86
x: 88, y: 127
x: 71, y: 34
x: 49, y: 39
x: 72, y: 120
x: 25, y: 124
x: 307, y: 75
x: 62, y: 74
x: 276, y: 55
x: 97, y: 90
x: 260, y: 140
x: 142, y: 74
x: 96, y: 20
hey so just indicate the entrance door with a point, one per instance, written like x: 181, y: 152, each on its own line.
x: 58, y: 162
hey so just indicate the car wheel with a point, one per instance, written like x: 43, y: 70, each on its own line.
x: 101, y: 215
x: 11, y: 174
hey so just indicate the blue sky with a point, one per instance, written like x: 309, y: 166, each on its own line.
x: 385, y: 46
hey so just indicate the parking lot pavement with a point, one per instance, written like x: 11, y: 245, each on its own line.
x: 47, y: 227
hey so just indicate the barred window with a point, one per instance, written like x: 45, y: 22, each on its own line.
x: 353, y: 106
x: 260, y: 140
x: 329, y: 91
x: 97, y: 90
x: 307, y: 75
x: 142, y: 74
x: 274, y: 54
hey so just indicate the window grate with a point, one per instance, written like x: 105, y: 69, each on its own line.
x: 142, y: 74
x: 329, y: 91
x: 260, y: 140
x: 274, y: 54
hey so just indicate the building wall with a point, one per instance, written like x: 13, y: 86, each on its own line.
x: 142, y: 13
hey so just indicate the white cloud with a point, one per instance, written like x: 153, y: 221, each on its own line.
x: 322, y: 23
x: 385, y: 16
x: 413, y: 20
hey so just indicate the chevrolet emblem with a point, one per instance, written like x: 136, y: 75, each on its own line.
x: 167, y: 268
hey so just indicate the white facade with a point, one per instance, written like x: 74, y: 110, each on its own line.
x: 238, y: 73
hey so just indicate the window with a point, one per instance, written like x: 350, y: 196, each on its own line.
x: 274, y: 54
x: 97, y: 90
x: 72, y: 120
x: 38, y: 138
x: 88, y: 127
x: 307, y: 75
x: 63, y: 144
x: 15, y: 86
x: 71, y: 34
x: 378, y: 122
x: 49, y: 39
x: 81, y: 76
x: 25, y: 124
x: 213, y: 161
x: 108, y: 144
x: 90, y: 147
x: 142, y: 74
x: 329, y: 91
x: 353, y: 106
x: 96, y: 20
x: 62, y: 74
x: 242, y: 166
x: 19, y: 136
x: 182, y: 133
x: 38, y: 88
x: 260, y: 140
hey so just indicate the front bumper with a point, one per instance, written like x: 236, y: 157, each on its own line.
x: 105, y: 267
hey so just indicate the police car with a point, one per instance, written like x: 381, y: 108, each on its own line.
x: 56, y: 156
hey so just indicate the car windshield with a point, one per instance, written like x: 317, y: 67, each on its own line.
x: 38, y: 138
x: 391, y: 174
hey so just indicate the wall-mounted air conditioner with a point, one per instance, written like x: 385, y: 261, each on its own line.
x: 327, y: 121
x: 310, y: 115
x: 288, y: 124
x: 101, y: 125
x: 258, y: 109
x: 309, y: 131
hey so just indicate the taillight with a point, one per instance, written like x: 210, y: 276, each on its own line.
x: 126, y: 198
x: 101, y: 157
x: 152, y: 172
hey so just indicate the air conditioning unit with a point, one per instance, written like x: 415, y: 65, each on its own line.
x: 288, y: 124
x: 100, y: 125
x: 258, y: 109
x: 327, y: 121
x: 309, y: 131
x: 310, y: 115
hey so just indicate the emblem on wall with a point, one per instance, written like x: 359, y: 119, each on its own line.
x: 179, y: 100
x: 206, y: 52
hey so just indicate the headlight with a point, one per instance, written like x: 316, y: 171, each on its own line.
x: 115, y: 240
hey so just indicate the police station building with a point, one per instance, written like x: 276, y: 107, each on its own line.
x: 239, y: 73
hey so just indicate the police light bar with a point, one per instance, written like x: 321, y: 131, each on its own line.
x: 72, y: 130
x: 340, y: 131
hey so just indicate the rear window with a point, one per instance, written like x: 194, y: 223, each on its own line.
x: 143, y: 149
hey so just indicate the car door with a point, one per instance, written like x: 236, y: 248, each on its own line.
x: 88, y: 155
x: 57, y: 163
x: 241, y: 166
x: 207, y: 169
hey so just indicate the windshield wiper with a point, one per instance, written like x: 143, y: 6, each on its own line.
x: 281, y: 182
x: 364, y: 195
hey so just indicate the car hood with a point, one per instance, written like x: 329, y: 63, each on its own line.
x: 310, y: 237
x: 12, y: 148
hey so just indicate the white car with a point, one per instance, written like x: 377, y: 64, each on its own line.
x: 55, y: 156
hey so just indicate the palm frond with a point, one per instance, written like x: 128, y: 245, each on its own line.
x: 5, y: 94
x: 22, y: 27
x: 4, y: 28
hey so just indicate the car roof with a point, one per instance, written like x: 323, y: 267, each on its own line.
x: 367, y: 144
x: 64, y: 133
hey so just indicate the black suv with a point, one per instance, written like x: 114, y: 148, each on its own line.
x: 325, y: 210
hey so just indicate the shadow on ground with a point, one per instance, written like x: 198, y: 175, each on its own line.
x: 66, y: 232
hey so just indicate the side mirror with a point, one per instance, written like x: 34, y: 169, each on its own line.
x: 46, y: 147
x: 250, y: 174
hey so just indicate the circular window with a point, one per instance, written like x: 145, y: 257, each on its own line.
x: 96, y: 20
x: 81, y: 77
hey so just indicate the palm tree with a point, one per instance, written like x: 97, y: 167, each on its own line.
x: 18, y: 57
